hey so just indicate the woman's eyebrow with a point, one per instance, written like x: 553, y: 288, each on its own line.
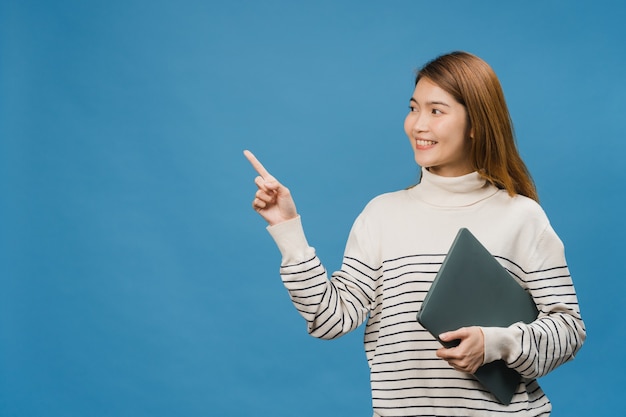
x: 431, y: 103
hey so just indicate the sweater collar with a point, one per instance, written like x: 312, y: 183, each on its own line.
x: 462, y: 191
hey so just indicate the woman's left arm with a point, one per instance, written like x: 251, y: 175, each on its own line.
x: 555, y: 337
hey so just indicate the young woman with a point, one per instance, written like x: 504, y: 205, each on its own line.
x: 471, y: 176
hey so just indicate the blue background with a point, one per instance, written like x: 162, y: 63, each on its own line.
x: 136, y: 280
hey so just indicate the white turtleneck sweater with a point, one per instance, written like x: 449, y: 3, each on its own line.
x: 395, y: 248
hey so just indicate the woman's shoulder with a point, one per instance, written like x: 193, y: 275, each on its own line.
x: 523, y: 203
x: 384, y: 204
x: 387, y: 199
x: 523, y: 209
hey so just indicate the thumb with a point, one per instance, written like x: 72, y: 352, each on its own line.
x: 446, y: 337
x: 452, y: 335
x: 272, y: 184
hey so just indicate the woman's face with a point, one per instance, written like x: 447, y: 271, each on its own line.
x: 437, y: 127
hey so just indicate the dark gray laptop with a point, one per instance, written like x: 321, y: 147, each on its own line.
x: 473, y: 289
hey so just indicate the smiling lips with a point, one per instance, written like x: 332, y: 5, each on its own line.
x: 422, y: 143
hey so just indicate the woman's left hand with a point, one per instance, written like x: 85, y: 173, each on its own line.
x: 469, y: 355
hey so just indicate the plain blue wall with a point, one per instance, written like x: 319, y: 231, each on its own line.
x: 135, y: 278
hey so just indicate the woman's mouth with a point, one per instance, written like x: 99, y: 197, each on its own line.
x: 422, y: 143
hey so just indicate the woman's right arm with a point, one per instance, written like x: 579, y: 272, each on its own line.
x: 331, y: 307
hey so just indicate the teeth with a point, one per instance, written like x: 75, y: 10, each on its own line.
x: 424, y: 142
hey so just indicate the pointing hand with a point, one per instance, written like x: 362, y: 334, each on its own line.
x: 272, y: 200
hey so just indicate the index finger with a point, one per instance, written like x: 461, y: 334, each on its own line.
x: 258, y: 166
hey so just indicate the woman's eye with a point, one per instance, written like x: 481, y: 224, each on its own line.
x: 413, y: 109
x: 436, y: 111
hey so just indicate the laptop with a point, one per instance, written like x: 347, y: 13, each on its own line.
x: 473, y: 289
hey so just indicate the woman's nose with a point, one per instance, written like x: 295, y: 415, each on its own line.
x: 419, y: 123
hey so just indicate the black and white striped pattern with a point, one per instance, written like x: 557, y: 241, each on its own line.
x: 394, y: 251
x: 407, y: 378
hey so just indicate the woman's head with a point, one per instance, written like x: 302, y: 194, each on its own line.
x: 492, y: 149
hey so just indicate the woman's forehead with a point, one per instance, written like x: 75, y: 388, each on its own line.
x: 426, y: 91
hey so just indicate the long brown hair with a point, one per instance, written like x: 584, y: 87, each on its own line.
x: 493, y: 153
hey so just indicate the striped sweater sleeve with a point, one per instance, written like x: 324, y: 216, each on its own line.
x: 558, y: 333
x: 331, y: 307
